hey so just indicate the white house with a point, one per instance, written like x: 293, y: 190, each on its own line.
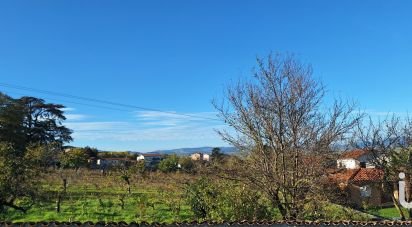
x: 200, y: 156
x: 150, y: 160
x: 355, y: 159
x: 113, y: 162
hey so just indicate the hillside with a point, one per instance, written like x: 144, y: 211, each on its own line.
x: 188, y: 151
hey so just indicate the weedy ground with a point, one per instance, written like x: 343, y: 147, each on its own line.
x: 155, y: 197
x: 92, y: 196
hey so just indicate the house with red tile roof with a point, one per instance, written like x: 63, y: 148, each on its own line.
x: 356, y: 175
x: 355, y: 159
x: 363, y: 186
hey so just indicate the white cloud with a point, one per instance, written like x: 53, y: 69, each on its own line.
x: 97, y: 126
x: 75, y: 117
x: 154, y: 118
x: 68, y: 109
x: 375, y: 113
x: 150, y: 126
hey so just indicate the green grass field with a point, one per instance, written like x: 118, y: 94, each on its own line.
x: 93, y: 197
x: 388, y: 212
x: 155, y: 197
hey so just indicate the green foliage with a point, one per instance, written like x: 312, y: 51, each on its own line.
x: 91, y: 152
x: 43, y: 155
x: 159, y: 198
x: 73, y: 158
x: 400, y: 161
x: 226, y: 201
x: 387, y: 212
x: 11, y: 122
x: 30, y: 132
x: 117, y: 154
x: 17, y: 179
x: 42, y: 121
x: 320, y: 209
x: 140, y: 167
x: 187, y: 165
x: 216, y: 155
x: 169, y: 164
x: 29, y: 120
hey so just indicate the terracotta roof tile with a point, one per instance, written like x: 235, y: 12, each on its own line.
x: 355, y: 154
x: 343, y: 176
x: 357, y: 175
x: 368, y: 175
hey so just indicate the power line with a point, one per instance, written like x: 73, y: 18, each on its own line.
x: 67, y: 101
x: 100, y: 101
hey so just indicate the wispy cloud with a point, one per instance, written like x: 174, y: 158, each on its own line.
x: 153, y: 118
x: 68, y: 109
x: 75, y: 117
x: 377, y: 113
x: 150, y: 126
x: 97, y: 126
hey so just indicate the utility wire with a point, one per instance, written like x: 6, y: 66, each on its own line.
x: 100, y: 101
x: 85, y: 104
x: 67, y: 101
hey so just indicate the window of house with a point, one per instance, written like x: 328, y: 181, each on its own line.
x: 363, y: 164
x: 365, y: 191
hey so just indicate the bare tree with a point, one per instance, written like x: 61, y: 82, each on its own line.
x: 285, y: 131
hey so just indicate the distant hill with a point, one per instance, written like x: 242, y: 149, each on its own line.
x: 188, y: 151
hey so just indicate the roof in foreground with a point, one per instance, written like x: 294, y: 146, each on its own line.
x: 368, y: 175
x: 360, y: 175
x: 343, y: 176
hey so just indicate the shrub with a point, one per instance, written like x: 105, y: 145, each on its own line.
x: 226, y: 201
x: 169, y: 164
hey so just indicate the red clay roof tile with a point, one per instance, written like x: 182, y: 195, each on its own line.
x: 343, y: 176
x: 368, y: 175
x: 355, y: 154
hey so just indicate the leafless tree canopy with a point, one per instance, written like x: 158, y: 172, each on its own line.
x: 285, y: 130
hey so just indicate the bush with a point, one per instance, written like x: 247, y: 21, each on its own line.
x: 187, y: 165
x: 74, y: 158
x: 169, y: 164
x: 226, y: 201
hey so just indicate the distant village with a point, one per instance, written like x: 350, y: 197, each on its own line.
x: 108, y: 160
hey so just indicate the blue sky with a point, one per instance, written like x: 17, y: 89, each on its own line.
x: 178, y: 55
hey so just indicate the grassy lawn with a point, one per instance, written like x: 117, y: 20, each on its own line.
x: 91, y: 196
x: 107, y: 209
x: 389, y: 212
x: 155, y: 197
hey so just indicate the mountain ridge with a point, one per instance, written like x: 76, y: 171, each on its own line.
x: 191, y: 150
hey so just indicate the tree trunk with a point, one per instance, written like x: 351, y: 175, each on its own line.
x: 276, y: 202
x: 58, y: 202
x: 122, y: 201
x: 395, y: 202
x: 64, y: 185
